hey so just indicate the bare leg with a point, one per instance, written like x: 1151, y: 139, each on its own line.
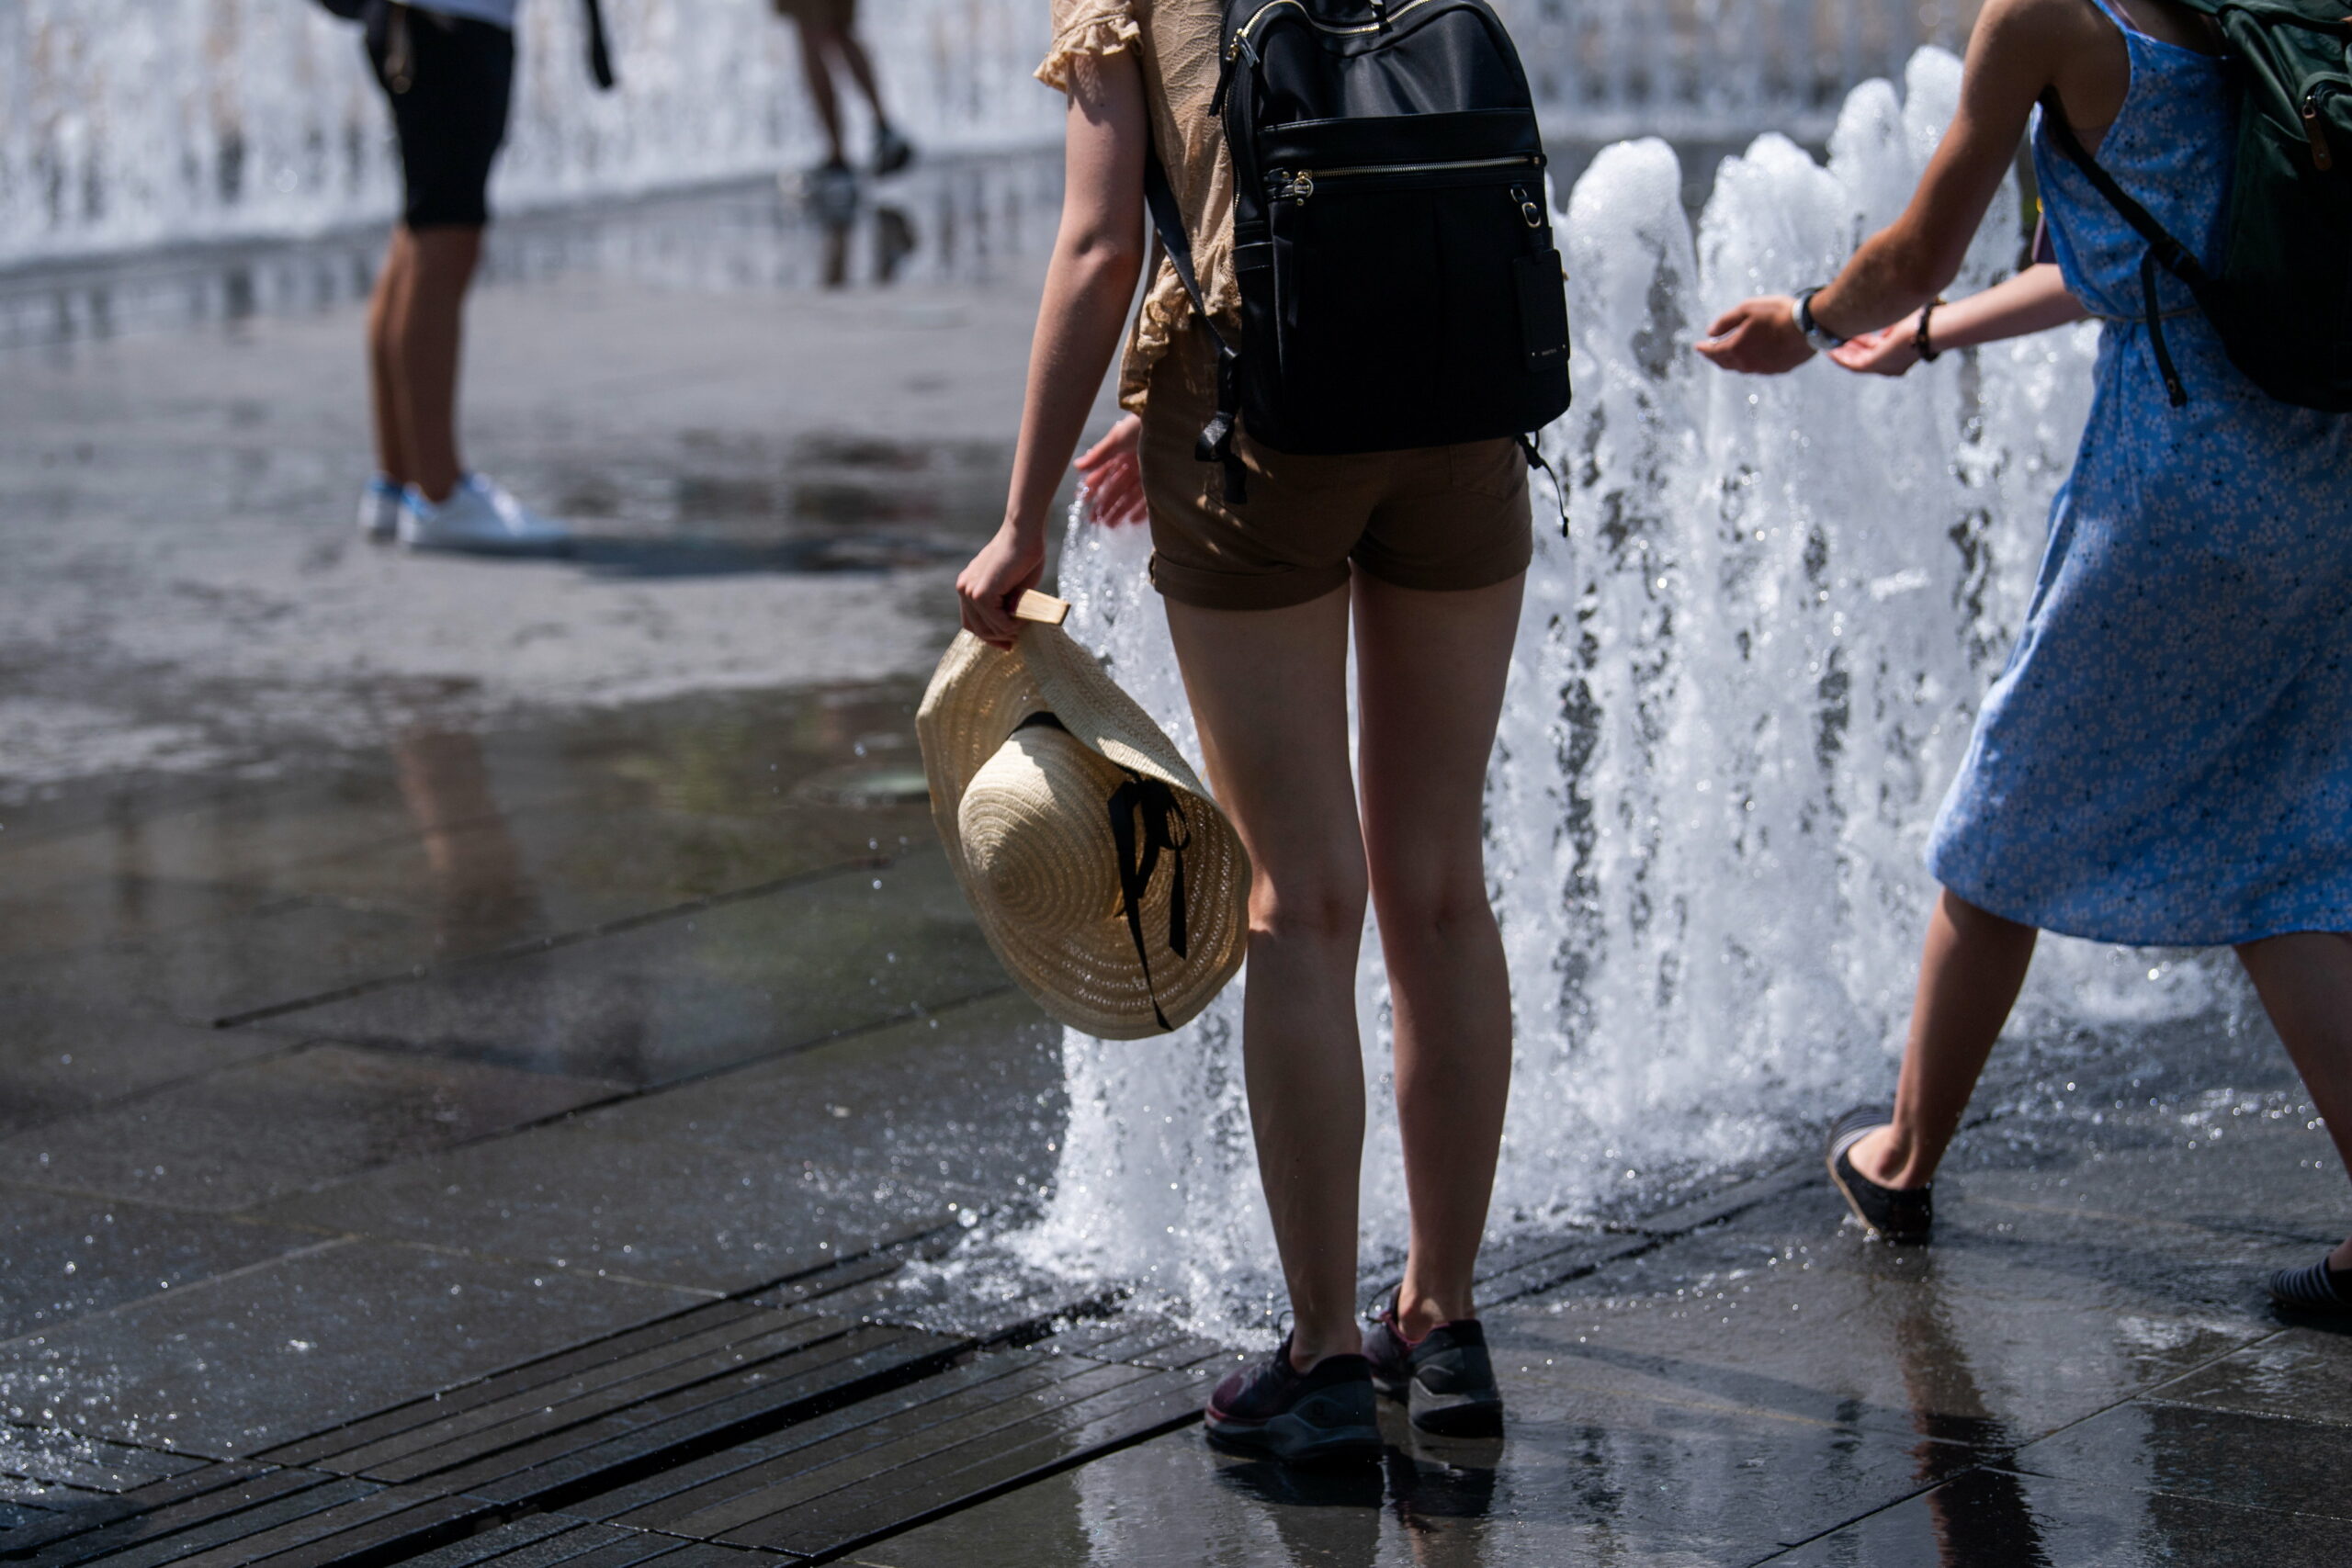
x: 2305, y: 983
x: 1974, y: 963
x: 427, y: 315
x: 1268, y: 689
x: 815, y: 43
x: 859, y: 66
x: 383, y: 397
x: 1430, y: 668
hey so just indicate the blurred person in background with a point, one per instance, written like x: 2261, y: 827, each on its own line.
x: 448, y: 68
x: 828, y: 34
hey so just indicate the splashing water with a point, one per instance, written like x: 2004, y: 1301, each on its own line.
x: 1738, y: 694
x: 132, y: 123
x: 125, y: 123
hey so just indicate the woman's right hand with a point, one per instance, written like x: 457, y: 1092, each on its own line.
x: 1007, y: 567
x: 1888, y: 351
x: 1111, y: 472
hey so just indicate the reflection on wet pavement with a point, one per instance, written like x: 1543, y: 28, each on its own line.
x: 556, y: 1097
x: 947, y: 220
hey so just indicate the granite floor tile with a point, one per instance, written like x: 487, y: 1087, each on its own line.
x: 65, y: 1254
x: 2223, y: 1456
x: 59, y: 1056
x: 712, y: 989
x: 2302, y: 1374
x: 1995, y: 1517
x: 1622, y: 1481
x: 708, y: 1218
x: 276, y: 949
x: 248, y: 1133
x: 305, y: 1342
x: 875, y: 1102
x: 1887, y: 1353
x: 2222, y: 1159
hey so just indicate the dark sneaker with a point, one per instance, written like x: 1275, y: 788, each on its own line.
x: 892, y: 152
x: 2314, y: 1290
x: 1325, y: 1415
x: 1898, y: 1214
x: 1445, y: 1377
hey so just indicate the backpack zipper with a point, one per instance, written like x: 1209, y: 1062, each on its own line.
x: 1297, y: 185
x: 1385, y: 19
x: 2321, y: 158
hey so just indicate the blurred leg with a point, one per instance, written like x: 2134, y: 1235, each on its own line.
x: 1269, y: 689
x: 426, y: 320
x: 859, y: 66
x: 1970, y: 973
x: 383, y: 381
x: 815, y: 42
x: 1430, y: 668
x: 2305, y: 983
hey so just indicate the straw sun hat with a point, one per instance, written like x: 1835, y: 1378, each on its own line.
x: 1105, y: 878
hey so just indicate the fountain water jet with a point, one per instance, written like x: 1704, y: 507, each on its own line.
x: 125, y: 123
x: 1738, y: 694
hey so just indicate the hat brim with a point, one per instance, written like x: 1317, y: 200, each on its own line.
x: 1090, y: 977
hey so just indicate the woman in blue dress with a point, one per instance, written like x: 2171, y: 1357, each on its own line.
x: 2167, y: 757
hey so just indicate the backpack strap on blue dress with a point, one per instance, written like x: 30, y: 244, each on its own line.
x: 2163, y: 249
x: 1216, y: 442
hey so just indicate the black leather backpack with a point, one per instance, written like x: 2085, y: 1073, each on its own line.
x: 1399, y: 286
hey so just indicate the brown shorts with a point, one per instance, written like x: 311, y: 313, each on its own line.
x: 1437, y: 518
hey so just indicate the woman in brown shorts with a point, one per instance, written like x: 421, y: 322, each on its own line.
x: 1424, y: 554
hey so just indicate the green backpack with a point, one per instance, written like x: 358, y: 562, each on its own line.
x: 2282, y: 297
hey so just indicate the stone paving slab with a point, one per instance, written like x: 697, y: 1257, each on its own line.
x: 259, y: 1130
x: 1989, y: 1517
x: 251, y: 1359
x: 61, y: 1056
x: 2249, y: 1461
x: 578, y: 1198
x: 64, y: 1254
x: 703, y: 990
x: 872, y: 1104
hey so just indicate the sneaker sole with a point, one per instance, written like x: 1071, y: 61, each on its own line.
x: 1295, y: 1442
x: 1456, y: 1415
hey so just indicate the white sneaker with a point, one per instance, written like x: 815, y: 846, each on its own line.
x: 480, y: 517
x: 379, y: 511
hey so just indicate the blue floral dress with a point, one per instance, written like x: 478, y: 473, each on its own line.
x: 2167, y: 757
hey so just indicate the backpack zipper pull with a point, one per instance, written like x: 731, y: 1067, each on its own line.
x: 1529, y: 213
x: 1380, y: 14
x: 1295, y: 188
x: 2321, y: 158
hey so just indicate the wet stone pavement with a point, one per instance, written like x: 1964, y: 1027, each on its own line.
x: 494, y: 1070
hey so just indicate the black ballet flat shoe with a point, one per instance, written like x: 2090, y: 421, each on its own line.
x: 2315, y: 1291
x: 1902, y: 1215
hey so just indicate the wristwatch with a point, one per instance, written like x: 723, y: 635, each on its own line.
x: 1821, y: 337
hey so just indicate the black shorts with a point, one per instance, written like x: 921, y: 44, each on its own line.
x: 449, y: 111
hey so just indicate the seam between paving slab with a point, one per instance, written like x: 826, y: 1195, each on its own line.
x: 554, y: 942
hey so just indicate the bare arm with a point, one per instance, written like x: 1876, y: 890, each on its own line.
x: 2019, y: 48
x: 2034, y: 300
x: 1090, y: 283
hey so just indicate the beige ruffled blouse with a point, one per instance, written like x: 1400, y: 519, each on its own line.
x: 1176, y: 44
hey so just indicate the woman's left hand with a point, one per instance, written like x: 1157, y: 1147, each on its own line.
x: 1888, y: 351
x: 1111, y: 472
x: 1007, y: 567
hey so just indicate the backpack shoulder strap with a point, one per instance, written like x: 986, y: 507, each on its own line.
x: 1216, y: 442
x: 2163, y: 249
x: 2176, y: 258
